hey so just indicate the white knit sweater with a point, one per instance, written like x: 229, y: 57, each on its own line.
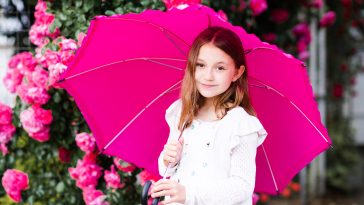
x: 218, y: 158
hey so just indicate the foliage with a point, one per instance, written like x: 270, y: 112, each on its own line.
x: 50, y: 182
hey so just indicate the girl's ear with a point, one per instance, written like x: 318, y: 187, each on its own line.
x: 238, y: 73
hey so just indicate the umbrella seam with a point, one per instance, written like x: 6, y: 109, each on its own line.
x: 270, y: 169
x: 137, y: 115
x: 292, y: 103
x: 127, y: 60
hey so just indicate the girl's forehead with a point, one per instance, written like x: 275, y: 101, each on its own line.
x: 211, y: 53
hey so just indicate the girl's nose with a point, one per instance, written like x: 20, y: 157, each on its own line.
x: 209, y: 74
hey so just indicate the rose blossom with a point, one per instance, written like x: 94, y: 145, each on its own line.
x: 175, y: 3
x: 92, y: 196
x: 55, y: 72
x: 12, y: 79
x: 258, y: 6
x: 6, y: 133
x: 112, y: 178
x: 6, y: 114
x: 32, y: 94
x: 14, y: 181
x: 64, y: 155
x: 35, y: 121
x: 145, y: 176
x: 280, y: 16
x: 328, y: 19
x: 86, y: 142
x: 123, y: 166
x: 80, y: 37
x: 86, y: 173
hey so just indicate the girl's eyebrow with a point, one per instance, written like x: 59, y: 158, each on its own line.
x: 220, y: 62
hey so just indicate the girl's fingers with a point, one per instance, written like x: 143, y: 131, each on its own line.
x: 162, y: 182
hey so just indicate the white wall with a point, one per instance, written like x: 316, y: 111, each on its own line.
x: 358, y: 110
x: 5, y: 96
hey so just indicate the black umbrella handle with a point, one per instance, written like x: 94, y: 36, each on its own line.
x: 145, y: 191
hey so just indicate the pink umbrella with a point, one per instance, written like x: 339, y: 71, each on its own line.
x: 129, y: 70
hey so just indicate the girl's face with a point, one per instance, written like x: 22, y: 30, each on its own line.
x: 215, y: 71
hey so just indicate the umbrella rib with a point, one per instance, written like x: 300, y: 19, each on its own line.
x: 270, y: 169
x: 163, y: 29
x: 127, y: 60
x: 292, y: 103
x: 137, y: 115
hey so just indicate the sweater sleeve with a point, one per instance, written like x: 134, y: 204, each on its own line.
x: 236, y: 189
x: 172, y: 118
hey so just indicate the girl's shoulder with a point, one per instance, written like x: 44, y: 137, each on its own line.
x: 175, y: 108
x: 243, y: 124
x: 173, y: 113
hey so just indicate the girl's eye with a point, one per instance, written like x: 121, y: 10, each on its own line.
x: 220, y: 68
x: 199, y: 65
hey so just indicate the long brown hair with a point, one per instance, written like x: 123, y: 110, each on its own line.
x: 235, y: 95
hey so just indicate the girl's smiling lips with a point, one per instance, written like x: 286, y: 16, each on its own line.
x: 207, y: 85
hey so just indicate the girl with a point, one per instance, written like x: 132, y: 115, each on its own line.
x: 213, y: 162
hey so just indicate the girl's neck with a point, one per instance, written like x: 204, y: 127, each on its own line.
x: 207, y: 112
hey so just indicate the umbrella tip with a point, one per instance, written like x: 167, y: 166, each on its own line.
x: 61, y: 80
x: 101, y: 151
x: 331, y: 146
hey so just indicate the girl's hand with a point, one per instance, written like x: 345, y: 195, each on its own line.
x: 172, y: 152
x: 169, y: 187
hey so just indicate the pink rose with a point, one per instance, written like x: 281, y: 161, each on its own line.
x: 32, y: 94
x: 269, y: 37
x: 302, y: 31
x: 328, y: 19
x: 6, y: 114
x: 112, y: 178
x: 67, y: 56
x: 301, y: 46
x: 346, y: 3
x: 92, y: 196
x: 338, y: 91
x: 175, y: 3
x: 80, y: 37
x: 55, y: 72
x: 42, y: 135
x: 145, y: 176
x: 304, y: 55
x: 316, y: 3
x: 37, y: 34
x: 6, y: 133
x: 242, y: 5
x: 86, y: 174
x: 68, y: 44
x: 35, y: 121
x: 255, y: 198
x: 64, y: 155
x: 86, y: 142
x: 222, y: 15
x: 15, y: 181
x: 258, y: 6
x: 39, y: 78
x: 279, y: 16
x: 123, y: 166
x: 52, y: 57
x: 12, y: 79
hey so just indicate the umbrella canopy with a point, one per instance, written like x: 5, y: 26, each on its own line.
x: 129, y: 70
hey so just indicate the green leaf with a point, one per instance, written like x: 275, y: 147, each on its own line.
x: 78, y: 3
x: 120, y: 10
x: 109, y: 12
x: 62, y: 16
x: 81, y: 19
x: 57, y: 97
x: 88, y: 5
